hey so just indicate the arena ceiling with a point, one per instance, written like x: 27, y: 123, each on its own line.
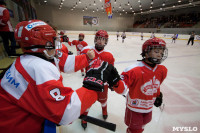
x: 126, y: 6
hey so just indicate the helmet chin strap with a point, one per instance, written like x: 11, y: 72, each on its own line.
x: 99, y: 47
x: 49, y: 56
x: 154, y: 60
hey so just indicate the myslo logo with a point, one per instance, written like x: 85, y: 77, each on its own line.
x: 185, y: 129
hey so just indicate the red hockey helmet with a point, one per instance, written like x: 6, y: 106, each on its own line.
x: 62, y: 33
x: 35, y: 36
x: 81, y: 34
x: 155, y: 43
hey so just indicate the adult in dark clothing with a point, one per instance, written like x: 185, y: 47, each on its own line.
x: 6, y: 29
x: 191, y: 38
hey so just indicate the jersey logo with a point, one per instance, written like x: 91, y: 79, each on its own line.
x: 150, y: 87
x: 80, y: 47
x: 10, y: 79
x: 55, y: 93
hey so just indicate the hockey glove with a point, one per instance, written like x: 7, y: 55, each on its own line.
x: 65, y: 38
x: 158, y: 101
x: 96, y: 75
x: 70, y: 53
x: 113, y: 77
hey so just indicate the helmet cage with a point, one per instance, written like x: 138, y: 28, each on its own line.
x: 152, y: 59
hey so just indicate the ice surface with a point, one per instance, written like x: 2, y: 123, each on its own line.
x: 180, y: 89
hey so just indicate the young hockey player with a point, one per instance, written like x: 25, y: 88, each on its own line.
x: 80, y: 44
x: 32, y: 90
x: 152, y: 35
x: 142, y: 81
x: 123, y: 36
x: 174, y: 38
x: 100, y: 40
x: 117, y: 35
x: 142, y: 35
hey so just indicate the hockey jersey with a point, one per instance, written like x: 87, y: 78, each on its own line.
x: 104, y: 55
x: 5, y: 24
x: 32, y: 90
x: 79, y: 45
x: 143, y: 83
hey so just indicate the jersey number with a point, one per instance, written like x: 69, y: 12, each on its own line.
x: 55, y: 93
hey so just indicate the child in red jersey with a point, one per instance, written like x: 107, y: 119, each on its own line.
x: 80, y: 44
x: 142, y: 82
x: 101, y: 40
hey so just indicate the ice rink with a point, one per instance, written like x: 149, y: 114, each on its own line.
x: 181, y: 88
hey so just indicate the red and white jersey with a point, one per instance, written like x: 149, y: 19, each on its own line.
x: 32, y: 90
x: 143, y: 83
x: 79, y: 45
x: 5, y: 24
x: 104, y: 55
x: 64, y: 49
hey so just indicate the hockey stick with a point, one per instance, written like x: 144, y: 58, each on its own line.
x: 98, y: 122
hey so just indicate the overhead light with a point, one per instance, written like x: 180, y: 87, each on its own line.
x: 139, y: 1
x: 59, y: 8
x: 76, y: 4
x: 151, y: 7
x: 45, y: 1
x: 102, y: 7
x: 163, y: 4
x: 97, y: 9
x: 123, y: 10
x: 120, y: 6
x: 79, y: 1
x: 161, y: 8
x: 152, y: 2
x: 141, y: 9
x: 72, y: 9
x: 61, y: 3
x: 131, y: 7
x: 133, y: 11
x: 93, y: 11
x: 120, y: 14
x: 140, y: 5
x: 150, y: 10
x: 100, y: 0
x: 179, y: 1
x: 126, y: 12
x: 115, y: 2
x: 128, y: 3
x: 174, y: 6
x: 83, y: 10
x: 94, y: 3
x: 62, y: 0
